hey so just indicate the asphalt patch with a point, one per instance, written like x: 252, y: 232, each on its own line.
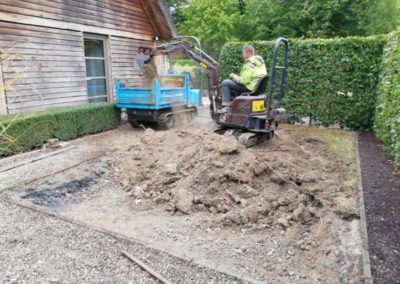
x: 60, y: 195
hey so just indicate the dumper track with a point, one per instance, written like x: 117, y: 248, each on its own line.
x: 168, y: 120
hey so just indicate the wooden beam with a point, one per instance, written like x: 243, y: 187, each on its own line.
x: 146, y: 268
x: 3, y: 101
x: 158, y: 14
x: 37, y: 21
x: 36, y: 159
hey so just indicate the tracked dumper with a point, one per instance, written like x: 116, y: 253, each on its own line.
x: 169, y: 102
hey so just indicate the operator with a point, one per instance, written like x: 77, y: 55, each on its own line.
x: 253, y: 70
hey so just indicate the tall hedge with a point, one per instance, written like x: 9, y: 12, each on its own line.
x: 27, y: 131
x: 387, y: 121
x: 333, y: 81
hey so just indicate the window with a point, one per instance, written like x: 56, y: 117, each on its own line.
x: 96, y: 71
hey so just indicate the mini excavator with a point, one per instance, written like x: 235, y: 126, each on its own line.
x: 253, y: 117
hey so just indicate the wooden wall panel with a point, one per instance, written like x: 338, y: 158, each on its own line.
x: 123, y: 53
x: 122, y: 15
x: 45, y: 66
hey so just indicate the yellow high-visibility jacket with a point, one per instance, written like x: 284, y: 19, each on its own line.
x: 253, y: 70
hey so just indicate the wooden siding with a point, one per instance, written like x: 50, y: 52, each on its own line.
x: 123, y: 53
x: 119, y: 15
x: 46, y: 67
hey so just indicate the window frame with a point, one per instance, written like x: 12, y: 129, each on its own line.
x: 106, y: 53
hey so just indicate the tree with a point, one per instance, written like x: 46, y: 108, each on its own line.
x: 216, y: 22
x: 315, y: 18
x: 382, y: 16
x: 242, y: 6
x: 213, y: 21
x: 175, y: 7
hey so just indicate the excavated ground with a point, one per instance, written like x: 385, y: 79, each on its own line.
x: 298, y: 191
x: 287, y: 181
x: 282, y: 212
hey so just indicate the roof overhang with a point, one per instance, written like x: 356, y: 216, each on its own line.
x: 160, y: 17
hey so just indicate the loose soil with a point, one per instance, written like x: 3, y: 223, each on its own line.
x: 282, y: 212
x: 290, y: 180
x: 382, y: 203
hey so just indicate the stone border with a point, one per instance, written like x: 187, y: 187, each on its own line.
x: 367, y: 274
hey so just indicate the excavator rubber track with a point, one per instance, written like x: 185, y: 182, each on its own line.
x: 247, y: 138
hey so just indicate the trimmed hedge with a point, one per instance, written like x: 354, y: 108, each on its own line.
x: 27, y: 131
x: 333, y: 81
x: 387, y: 121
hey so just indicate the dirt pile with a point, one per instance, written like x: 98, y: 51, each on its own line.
x: 150, y: 74
x: 279, y: 183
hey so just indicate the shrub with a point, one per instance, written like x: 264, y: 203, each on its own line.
x: 387, y: 120
x: 185, y: 62
x: 333, y: 81
x: 198, y: 76
x: 27, y: 131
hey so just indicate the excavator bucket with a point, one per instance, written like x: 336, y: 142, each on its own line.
x: 141, y: 60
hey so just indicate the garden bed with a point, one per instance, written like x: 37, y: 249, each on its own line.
x: 382, y: 199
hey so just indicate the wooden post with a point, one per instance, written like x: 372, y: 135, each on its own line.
x: 3, y: 101
x: 109, y: 71
x: 146, y: 268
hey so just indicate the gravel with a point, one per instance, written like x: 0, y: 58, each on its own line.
x: 38, y: 248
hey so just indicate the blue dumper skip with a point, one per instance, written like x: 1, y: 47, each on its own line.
x: 171, y: 96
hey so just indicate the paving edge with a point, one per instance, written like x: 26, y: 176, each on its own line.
x: 367, y: 274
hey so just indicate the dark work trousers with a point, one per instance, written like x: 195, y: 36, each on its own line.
x: 229, y: 88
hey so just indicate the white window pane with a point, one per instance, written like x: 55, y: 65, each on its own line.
x: 97, y: 87
x: 94, y: 47
x: 95, y: 68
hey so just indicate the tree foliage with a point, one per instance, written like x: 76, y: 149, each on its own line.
x: 315, y: 18
x: 382, y: 16
x: 213, y: 21
x: 176, y: 7
x: 218, y: 21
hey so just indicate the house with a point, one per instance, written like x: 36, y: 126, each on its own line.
x: 57, y: 53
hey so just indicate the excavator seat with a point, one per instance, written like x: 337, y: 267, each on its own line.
x: 260, y: 87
